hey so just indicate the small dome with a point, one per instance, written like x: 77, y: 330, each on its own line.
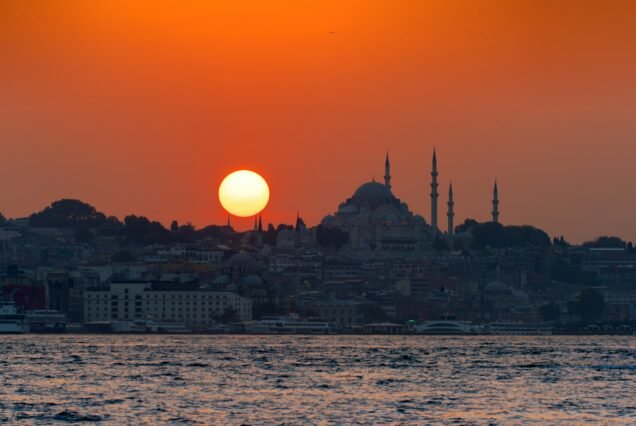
x: 242, y: 260
x: 253, y: 280
x: 495, y: 287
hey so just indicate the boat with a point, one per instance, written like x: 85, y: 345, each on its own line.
x: 288, y: 325
x: 45, y: 321
x: 137, y: 326
x: 11, y: 321
x: 165, y: 327
x: 444, y: 327
x: 519, y: 329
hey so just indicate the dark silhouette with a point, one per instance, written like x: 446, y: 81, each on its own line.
x: 140, y: 230
x: 550, y: 312
x: 440, y: 244
x: 491, y: 234
x: 67, y: 213
x: 83, y: 234
x: 331, y: 237
x: 605, y: 242
x: 589, y: 305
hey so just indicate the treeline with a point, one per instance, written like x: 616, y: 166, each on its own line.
x: 496, y: 235
x: 88, y: 222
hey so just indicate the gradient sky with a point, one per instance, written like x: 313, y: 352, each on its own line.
x: 142, y: 107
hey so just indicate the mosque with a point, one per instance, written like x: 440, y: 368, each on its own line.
x: 376, y: 220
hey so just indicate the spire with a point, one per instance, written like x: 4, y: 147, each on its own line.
x: 451, y: 210
x: 495, y: 203
x: 387, y: 171
x: 255, y: 222
x: 300, y: 223
x: 434, y: 194
x: 260, y: 223
x: 228, y: 221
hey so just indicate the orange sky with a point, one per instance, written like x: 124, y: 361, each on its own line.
x: 143, y: 107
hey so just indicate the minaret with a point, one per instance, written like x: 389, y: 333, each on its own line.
x: 495, y: 204
x: 451, y: 212
x: 434, y: 194
x: 387, y: 172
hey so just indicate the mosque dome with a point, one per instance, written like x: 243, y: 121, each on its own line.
x: 373, y: 191
x: 242, y: 260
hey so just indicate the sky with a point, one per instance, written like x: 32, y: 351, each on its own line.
x: 143, y: 107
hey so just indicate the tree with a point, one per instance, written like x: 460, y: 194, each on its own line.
x: 490, y: 234
x: 466, y: 226
x: 3, y: 220
x: 68, y: 213
x: 589, y: 305
x: 140, y: 230
x: 605, y: 242
x: 174, y: 226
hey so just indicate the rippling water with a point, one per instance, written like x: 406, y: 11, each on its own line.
x: 326, y: 379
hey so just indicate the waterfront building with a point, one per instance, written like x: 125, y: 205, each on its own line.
x: 191, y: 304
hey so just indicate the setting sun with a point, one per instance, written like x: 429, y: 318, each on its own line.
x: 244, y: 193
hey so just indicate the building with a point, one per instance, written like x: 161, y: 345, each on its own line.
x: 190, y: 304
x: 377, y: 221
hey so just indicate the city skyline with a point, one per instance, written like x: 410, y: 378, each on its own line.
x: 153, y: 116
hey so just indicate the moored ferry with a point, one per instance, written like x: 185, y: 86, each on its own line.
x: 519, y: 329
x: 288, y: 325
x: 444, y: 327
x: 45, y: 321
x: 11, y: 321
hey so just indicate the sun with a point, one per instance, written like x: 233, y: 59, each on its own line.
x: 244, y: 193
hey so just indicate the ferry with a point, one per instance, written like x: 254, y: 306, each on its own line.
x: 129, y: 327
x: 164, y: 327
x: 518, y: 329
x: 45, y: 321
x: 149, y: 326
x: 444, y: 327
x: 288, y: 325
x: 11, y: 321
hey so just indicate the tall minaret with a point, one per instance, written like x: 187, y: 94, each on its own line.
x: 451, y: 211
x: 387, y: 172
x: 434, y: 194
x: 495, y: 204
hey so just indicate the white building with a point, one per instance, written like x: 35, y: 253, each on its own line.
x: 184, y: 303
